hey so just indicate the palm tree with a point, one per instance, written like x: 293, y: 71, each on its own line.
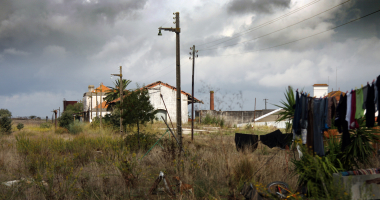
x: 114, y: 93
x: 287, y: 106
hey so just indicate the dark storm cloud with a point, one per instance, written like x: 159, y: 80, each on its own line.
x: 256, y: 6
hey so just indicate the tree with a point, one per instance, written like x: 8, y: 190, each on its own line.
x: 114, y: 93
x: 137, y: 109
x: 75, y: 108
x: 66, y: 119
x: 5, y: 121
x: 287, y: 106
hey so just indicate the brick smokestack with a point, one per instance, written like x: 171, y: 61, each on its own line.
x: 211, y: 100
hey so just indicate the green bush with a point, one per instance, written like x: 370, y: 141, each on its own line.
x: 147, y: 140
x: 46, y: 125
x: 66, y: 119
x: 6, y: 124
x: 213, y: 120
x: 76, y: 127
x: 20, y: 126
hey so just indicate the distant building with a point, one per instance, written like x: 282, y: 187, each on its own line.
x: 66, y: 103
x: 320, y: 90
x: 155, y: 91
x: 94, y: 99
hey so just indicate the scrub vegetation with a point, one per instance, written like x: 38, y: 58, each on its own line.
x: 98, y: 163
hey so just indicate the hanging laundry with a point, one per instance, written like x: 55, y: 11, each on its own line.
x: 319, y: 120
x: 276, y: 139
x: 359, y: 113
x: 353, y: 121
x: 370, y: 105
x: 378, y: 99
x: 310, y: 122
x: 348, y: 108
x: 341, y: 122
x: 303, y: 120
x: 297, y: 116
x: 246, y: 141
x: 376, y: 96
x: 331, y: 110
x: 365, y: 93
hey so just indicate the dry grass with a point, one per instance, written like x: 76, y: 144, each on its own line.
x: 96, y: 164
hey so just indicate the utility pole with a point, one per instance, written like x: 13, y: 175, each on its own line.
x: 101, y: 107
x: 266, y: 103
x: 254, y: 113
x: 121, y: 97
x: 177, y: 31
x: 192, y: 93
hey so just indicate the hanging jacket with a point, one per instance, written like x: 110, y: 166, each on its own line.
x: 353, y: 121
x: 359, y: 113
x: 297, y: 114
x: 370, y: 105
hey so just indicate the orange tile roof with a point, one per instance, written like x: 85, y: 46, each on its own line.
x: 101, y: 88
x: 103, y: 105
x: 335, y: 94
x: 169, y: 86
x: 320, y: 85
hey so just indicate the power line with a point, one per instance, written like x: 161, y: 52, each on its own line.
x: 264, y: 24
x: 274, y: 31
x: 305, y: 37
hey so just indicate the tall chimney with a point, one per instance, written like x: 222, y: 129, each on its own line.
x: 211, y: 100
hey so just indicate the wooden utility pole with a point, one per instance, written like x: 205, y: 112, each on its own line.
x: 121, y: 97
x: 192, y: 94
x: 266, y: 103
x: 177, y: 31
x: 55, y: 113
x: 254, y: 113
x: 101, y: 107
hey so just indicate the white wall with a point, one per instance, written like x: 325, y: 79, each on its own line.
x: 169, y: 96
x: 320, y: 91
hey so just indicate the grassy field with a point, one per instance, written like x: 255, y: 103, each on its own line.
x: 100, y: 164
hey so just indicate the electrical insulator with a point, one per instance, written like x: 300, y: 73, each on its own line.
x: 189, y: 58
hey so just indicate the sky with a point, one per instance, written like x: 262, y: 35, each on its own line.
x: 52, y: 50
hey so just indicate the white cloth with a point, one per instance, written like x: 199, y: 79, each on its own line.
x: 304, y: 135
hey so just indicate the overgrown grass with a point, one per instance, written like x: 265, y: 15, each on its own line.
x: 100, y: 164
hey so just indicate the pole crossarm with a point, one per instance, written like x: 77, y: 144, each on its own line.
x: 176, y: 30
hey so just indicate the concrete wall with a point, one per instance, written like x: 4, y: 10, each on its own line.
x: 233, y: 117
x: 320, y: 91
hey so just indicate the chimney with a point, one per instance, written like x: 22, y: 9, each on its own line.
x: 90, y: 88
x: 211, y: 100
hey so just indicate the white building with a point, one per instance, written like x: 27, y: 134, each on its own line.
x: 320, y: 90
x: 169, y: 95
x: 94, y: 99
x: 155, y: 90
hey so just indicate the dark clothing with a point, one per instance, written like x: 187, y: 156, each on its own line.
x: 304, y: 111
x: 331, y: 110
x: 378, y: 98
x: 297, y: 114
x: 341, y: 122
x: 365, y: 94
x: 370, y: 105
x: 319, y: 119
x: 325, y: 114
x: 276, y: 139
x: 310, y: 130
x: 246, y: 141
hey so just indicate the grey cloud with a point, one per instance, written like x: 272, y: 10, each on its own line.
x: 256, y: 6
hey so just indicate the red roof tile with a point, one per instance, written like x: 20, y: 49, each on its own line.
x: 320, y: 85
x: 335, y: 94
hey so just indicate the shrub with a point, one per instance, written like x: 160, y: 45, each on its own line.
x: 147, y: 140
x: 76, y: 127
x: 60, y: 130
x: 46, y: 125
x: 6, y: 124
x: 20, y: 126
x: 66, y: 119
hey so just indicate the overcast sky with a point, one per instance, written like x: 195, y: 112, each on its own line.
x: 54, y: 49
